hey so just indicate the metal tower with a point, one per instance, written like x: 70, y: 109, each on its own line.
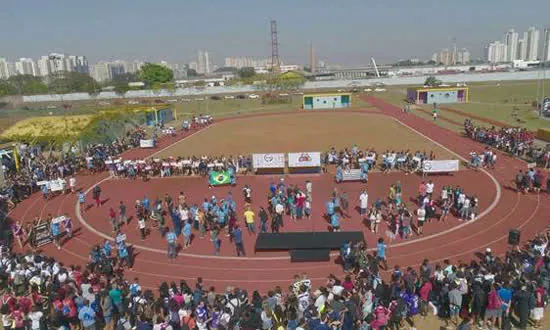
x: 275, y: 60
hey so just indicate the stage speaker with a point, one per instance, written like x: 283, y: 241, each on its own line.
x: 514, y: 237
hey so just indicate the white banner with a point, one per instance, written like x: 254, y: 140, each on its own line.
x: 147, y: 143
x: 440, y: 166
x: 304, y: 159
x: 268, y: 160
x: 351, y: 175
x: 57, y: 185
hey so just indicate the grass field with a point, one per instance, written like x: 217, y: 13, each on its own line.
x: 300, y: 133
x: 509, y: 102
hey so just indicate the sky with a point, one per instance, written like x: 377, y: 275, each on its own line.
x: 347, y: 32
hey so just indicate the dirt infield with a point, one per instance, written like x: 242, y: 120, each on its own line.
x: 298, y: 132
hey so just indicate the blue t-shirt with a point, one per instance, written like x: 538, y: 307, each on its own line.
x: 145, y: 203
x: 381, y: 250
x: 505, y: 295
x: 187, y: 229
x: 55, y: 229
x: 330, y: 207
x: 171, y: 237
x: 87, y: 316
x: 81, y: 198
x: 238, y: 235
x: 334, y: 221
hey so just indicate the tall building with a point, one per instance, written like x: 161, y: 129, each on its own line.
x: 462, y: 56
x: 533, y: 38
x: 496, y: 52
x: 4, y: 68
x: 511, y: 42
x: 546, y: 55
x: 522, y: 47
x: 26, y: 66
x: 244, y: 62
x: 194, y: 66
x: 102, y: 71
x: 446, y: 57
x: 133, y: 67
x: 77, y: 64
x: 117, y: 68
x: 204, y: 60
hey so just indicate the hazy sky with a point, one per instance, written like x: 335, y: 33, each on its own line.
x: 342, y: 31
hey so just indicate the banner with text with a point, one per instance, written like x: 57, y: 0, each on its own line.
x: 440, y: 166
x: 304, y: 159
x: 351, y: 175
x: 268, y: 160
x: 147, y: 143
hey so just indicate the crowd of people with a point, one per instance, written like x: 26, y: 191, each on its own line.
x: 491, y: 291
x: 356, y: 158
x: 516, y: 141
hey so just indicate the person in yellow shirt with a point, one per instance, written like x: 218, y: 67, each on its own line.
x: 249, y: 219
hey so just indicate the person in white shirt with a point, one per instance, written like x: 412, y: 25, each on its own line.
x: 72, y: 184
x: 430, y: 188
x: 364, y: 202
x: 465, y: 209
x: 421, y: 216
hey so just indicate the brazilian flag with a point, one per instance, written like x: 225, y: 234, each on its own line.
x: 217, y: 178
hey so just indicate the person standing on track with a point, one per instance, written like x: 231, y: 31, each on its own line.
x: 381, y: 252
x: 171, y: 238
x: 72, y: 184
x: 96, y: 193
x: 238, y: 240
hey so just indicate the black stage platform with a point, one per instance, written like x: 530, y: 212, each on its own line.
x: 299, y: 243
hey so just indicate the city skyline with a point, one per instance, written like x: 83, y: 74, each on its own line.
x: 404, y: 30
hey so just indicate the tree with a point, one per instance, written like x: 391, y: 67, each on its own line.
x: 151, y: 73
x: 247, y: 72
x: 120, y: 82
x: 28, y: 84
x: 6, y: 88
x: 72, y: 82
x: 192, y: 73
x: 432, y: 81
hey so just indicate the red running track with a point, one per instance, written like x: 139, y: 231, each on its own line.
x: 264, y: 271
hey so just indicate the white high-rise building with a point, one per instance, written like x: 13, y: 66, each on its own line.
x: 243, y: 62
x: 26, y: 66
x: 5, y: 71
x: 511, y: 42
x: 77, y: 64
x: 55, y: 63
x: 463, y: 56
x: 204, y: 60
x: 522, y: 47
x: 496, y: 52
x: 133, y: 67
x: 547, y: 46
x: 102, y: 71
x: 533, y: 38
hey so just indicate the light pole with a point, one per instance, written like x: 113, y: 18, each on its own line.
x: 541, y: 87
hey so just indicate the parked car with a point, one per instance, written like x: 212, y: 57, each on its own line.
x: 199, y: 99
x: 253, y: 96
x: 215, y: 97
x: 241, y: 97
x: 229, y: 97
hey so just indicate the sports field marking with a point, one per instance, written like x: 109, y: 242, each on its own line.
x: 204, y: 256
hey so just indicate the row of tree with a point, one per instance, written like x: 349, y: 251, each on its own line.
x: 74, y: 82
x: 154, y: 76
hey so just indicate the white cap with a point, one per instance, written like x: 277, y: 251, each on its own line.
x: 488, y: 250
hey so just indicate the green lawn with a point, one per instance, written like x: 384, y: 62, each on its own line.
x: 508, y: 102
